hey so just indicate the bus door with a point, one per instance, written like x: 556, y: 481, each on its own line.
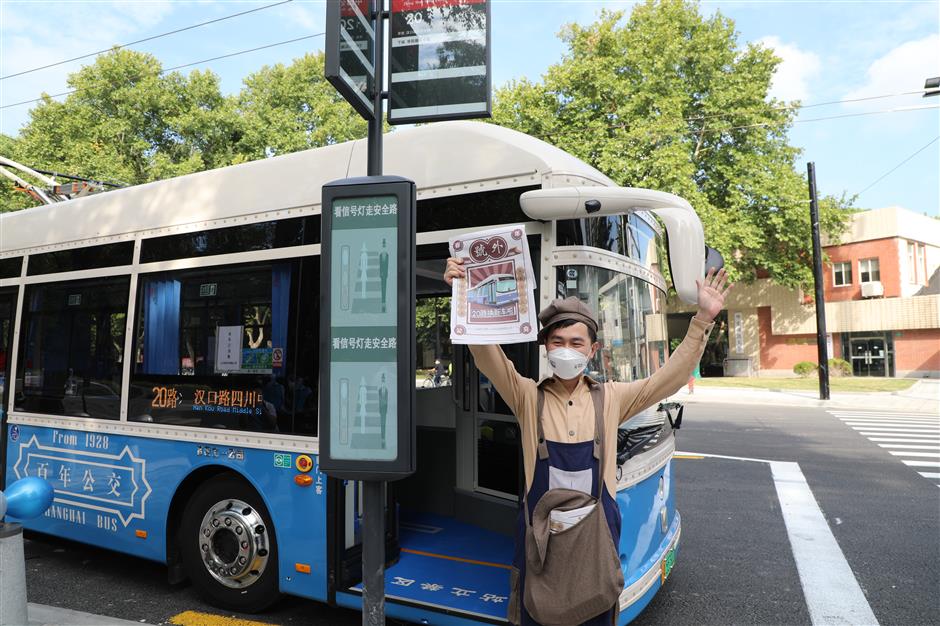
x: 7, y: 310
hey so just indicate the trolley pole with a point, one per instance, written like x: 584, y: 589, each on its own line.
x: 821, y: 350
x: 373, y: 491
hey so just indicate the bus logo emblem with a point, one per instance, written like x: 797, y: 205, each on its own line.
x: 283, y: 461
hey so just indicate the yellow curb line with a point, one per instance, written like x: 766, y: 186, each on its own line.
x: 195, y: 618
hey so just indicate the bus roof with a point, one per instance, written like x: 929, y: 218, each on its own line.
x: 444, y: 159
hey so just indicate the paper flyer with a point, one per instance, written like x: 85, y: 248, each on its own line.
x: 495, y: 302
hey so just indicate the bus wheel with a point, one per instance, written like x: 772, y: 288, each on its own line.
x: 228, y: 546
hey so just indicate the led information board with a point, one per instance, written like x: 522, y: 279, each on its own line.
x: 367, y: 328
x: 440, y: 60
x: 350, y: 44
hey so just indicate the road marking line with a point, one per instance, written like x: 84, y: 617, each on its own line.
x: 833, y: 595
x: 831, y: 591
x: 899, y: 432
x: 195, y: 618
x: 917, y: 424
x: 905, y: 440
x: 932, y: 455
x: 929, y: 474
x: 921, y: 463
x: 936, y: 446
x: 912, y: 428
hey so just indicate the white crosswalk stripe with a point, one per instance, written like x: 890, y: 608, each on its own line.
x: 914, y: 439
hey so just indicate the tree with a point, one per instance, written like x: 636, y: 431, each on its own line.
x: 669, y: 100
x: 286, y: 108
x: 130, y: 122
x: 10, y: 198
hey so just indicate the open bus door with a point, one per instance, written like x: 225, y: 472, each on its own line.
x: 344, y: 534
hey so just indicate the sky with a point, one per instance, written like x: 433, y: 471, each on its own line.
x: 832, y: 51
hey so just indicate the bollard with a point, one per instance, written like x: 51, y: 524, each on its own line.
x: 26, y: 498
x: 12, y: 576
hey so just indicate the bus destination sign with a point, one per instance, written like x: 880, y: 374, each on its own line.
x: 440, y: 60
x: 367, y: 313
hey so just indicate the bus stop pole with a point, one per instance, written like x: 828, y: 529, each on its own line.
x: 821, y: 351
x: 373, y: 491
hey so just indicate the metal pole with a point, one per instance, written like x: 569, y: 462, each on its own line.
x: 373, y: 491
x: 818, y: 280
x: 375, y: 124
x: 373, y: 553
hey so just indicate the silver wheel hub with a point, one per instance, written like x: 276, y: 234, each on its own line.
x: 233, y: 542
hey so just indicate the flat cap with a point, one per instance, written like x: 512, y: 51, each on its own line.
x: 569, y: 308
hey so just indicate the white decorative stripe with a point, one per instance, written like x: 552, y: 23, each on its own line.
x: 440, y: 109
x: 308, y: 445
x: 638, y: 589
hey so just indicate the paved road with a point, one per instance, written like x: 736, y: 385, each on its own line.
x: 736, y: 564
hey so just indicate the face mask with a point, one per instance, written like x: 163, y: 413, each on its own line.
x: 567, y: 363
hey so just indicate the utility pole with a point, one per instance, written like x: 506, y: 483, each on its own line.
x: 821, y: 350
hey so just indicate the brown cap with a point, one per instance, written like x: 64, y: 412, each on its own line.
x: 569, y: 308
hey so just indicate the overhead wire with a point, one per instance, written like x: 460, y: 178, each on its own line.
x: 177, y: 67
x: 788, y: 107
x: 151, y: 38
x: 885, y: 175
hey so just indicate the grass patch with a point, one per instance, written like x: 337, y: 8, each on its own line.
x: 812, y: 383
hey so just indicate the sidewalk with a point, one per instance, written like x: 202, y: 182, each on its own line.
x: 922, y: 397
x: 43, y: 615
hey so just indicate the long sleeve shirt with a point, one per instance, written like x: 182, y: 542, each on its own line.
x: 569, y: 418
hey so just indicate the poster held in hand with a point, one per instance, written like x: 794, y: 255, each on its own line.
x: 495, y: 301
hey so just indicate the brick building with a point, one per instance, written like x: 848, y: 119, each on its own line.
x: 882, y: 290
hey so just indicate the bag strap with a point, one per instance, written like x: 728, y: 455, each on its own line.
x: 600, y: 450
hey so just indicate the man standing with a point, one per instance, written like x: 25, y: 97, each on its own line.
x: 561, y: 447
x: 383, y: 272
x: 383, y: 406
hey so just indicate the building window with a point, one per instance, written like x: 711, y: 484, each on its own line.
x: 868, y: 270
x: 921, y: 263
x: 912, y: 263
x: 841, y: 274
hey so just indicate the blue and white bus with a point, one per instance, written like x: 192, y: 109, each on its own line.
x: 159, y: 355
x: 496, y: 290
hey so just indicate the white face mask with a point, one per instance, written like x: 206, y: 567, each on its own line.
x: 567, y: 363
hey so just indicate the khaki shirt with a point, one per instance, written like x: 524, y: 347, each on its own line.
x: 570, y: 419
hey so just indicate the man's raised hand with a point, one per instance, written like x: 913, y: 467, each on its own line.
x: 454, y: 270
x: 711, y: 294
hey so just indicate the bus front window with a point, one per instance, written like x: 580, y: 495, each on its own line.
x: 631, y: 320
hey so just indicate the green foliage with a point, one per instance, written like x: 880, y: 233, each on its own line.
x: 286, y: 108
x: 804, y: 368
x: 130, y: 122
x: 670, y: 100
x: 432, y: 316
x: 10, y: 198
x: 840, y: 367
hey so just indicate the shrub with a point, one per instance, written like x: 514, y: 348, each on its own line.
x: 840, y: 367
x: 804, y: 368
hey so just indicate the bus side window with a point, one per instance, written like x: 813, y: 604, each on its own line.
x: 71, y: 348
x: 215, y: 348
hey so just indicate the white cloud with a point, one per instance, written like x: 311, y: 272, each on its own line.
x: 902, y: 69
x: 792, y: 77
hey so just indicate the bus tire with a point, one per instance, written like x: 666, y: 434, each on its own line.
x: 228, y: 545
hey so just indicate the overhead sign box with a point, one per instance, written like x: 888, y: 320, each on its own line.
x: 367, y: 328
x: 440, y: 60
x: 350, y: 47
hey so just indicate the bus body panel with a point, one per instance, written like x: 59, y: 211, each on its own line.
x: 111, y: 487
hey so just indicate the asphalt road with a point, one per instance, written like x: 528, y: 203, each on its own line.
x: 735, y: 566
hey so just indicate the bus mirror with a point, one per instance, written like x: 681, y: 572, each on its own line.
x: 713, y: 259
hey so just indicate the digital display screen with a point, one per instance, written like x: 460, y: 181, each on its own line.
x: 364, y: 329
x: 439, y: 61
